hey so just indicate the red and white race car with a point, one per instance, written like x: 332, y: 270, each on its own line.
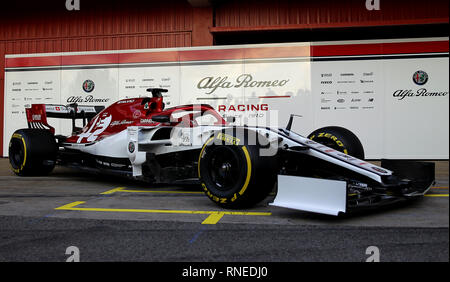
x: 236, y: 166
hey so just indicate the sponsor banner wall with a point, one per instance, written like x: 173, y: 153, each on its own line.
x: 392, y: 94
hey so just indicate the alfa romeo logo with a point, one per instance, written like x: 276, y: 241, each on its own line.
x: 420, y: 77
x: 88, y: 85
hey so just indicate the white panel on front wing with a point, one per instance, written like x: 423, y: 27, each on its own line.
x: 311, y: 194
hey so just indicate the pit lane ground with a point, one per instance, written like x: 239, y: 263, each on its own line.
x: 110, y: 219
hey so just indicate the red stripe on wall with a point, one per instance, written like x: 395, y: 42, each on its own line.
x: 169, y: 56
x: 278, y: 52
x: 379, y: 49
x: 148, y: 57
x: 214, y: 54
x: 33, y: 61
x: 97, y: 59
x: 233, y: 54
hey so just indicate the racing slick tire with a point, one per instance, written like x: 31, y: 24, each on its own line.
x: 32, y: 152
x: 233, y: 173
x: 340, y: 139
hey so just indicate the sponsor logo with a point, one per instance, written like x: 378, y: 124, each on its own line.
x: 368, y: 92
x: 368, y: 108
x: 354, y: 92
x: 341, y: 100
x: 346, y: 81
x: 131, y: 147
x: 36, y: 117
x: 16, y: 89
x: 356, y: 100
x: 325, y: 93
x: 148, y: 79
x: 339, y: 108
x: 422, y: 92
x: 347, y: 74
x: 130, y: 80
x: 16, y: 83
x: 379, y: 169
x: 326, y: 74
x: 243, y: 108
x: 137, y: 114
x: 32, y: 83
x: 326, y: 82
x: 130, y: 87
x: 125, y: 101
x: 325, y: 108
x: 87, y: 99
x: 228, y: 138
x: 367, y: 73
x: 366, y: 81
x: 370, y: 100
x: 88, y: 86
x: 122, y: 122
x: 354, y: 108
x: 47, y: 89
x: 325, y: 100
x: 146, y: 120
x: 420, y: 77
x: 211, y: 84
x: 341, y: 92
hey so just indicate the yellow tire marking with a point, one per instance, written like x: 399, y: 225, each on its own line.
x: 213, y: 218
x: 249, y: 170
x: 18, y: 136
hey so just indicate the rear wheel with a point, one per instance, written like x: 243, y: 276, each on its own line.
x: 233, y: 174
x: 340, y: 139
x: 32, y: 152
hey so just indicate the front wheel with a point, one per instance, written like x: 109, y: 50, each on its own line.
x: 233, y: 173
x: 340, y: 139
x: 32, y: 152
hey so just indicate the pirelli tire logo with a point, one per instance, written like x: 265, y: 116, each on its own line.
x: 228, y: 139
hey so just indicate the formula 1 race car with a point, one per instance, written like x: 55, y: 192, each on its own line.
x: 236, y: 166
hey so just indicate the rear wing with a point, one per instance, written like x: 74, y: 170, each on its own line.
x: 37, y: 114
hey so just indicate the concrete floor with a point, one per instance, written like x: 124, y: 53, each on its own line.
x: 103, y: 215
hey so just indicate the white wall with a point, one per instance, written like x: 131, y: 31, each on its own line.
x: 356, y: 94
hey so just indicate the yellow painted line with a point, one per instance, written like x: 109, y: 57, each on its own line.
x: 70, y: 206
x: 123, y: 189
x: 213, y: 218
x: 118, y: 189
x: 161, y: 191
x: 436, y: 195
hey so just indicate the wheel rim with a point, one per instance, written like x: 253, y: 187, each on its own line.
x: 16, y: 153
x: 224, y: 169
